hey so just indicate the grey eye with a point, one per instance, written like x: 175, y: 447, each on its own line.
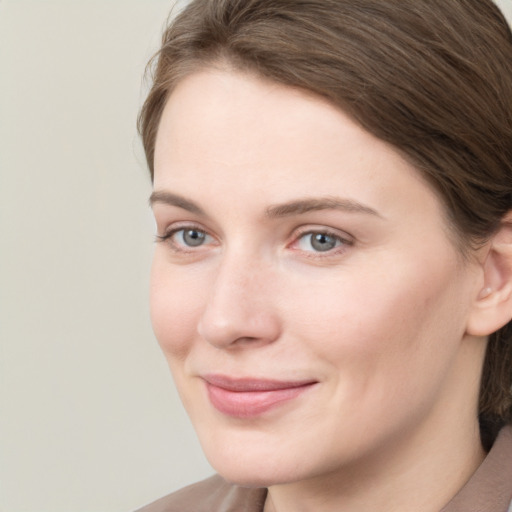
x: 323, y: 242
x: 318, y: 242
x: 192, y: 237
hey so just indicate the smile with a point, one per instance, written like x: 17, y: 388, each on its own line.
x: 248, y: 398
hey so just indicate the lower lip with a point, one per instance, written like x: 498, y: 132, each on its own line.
x: 249, y: 404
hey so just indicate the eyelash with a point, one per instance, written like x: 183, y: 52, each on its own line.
x: 343, y: 242
x: 168, y: 237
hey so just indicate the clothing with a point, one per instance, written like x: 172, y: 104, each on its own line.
x: 488, y: 490
x: 211, y: 495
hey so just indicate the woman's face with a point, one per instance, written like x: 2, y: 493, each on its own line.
x: 305, y: 290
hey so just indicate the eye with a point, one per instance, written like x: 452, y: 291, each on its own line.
x: 185, y: 238
x: 320, y: 241
x: 190, y: 237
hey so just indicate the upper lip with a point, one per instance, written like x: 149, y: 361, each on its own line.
x: 253, y: 384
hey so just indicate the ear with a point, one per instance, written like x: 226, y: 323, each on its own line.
x: 492, y: 308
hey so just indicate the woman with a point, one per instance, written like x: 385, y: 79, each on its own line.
x: 332, y: 287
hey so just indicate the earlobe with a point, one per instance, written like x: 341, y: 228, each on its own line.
x: 492, y: 308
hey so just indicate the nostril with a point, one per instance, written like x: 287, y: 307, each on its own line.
x: 247, y: 340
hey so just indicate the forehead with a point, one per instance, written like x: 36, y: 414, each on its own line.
x: 228, y: 134
x: 244, y: 111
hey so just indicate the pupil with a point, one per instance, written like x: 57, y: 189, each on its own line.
x: 193, y: 237
x: 322, y: 242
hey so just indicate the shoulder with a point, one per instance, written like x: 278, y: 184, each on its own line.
x: 211, y: 495
x: 490, y: 488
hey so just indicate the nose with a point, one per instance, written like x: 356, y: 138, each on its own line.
x: 240, y: 310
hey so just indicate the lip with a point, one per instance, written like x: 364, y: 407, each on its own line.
x: 251, y: 397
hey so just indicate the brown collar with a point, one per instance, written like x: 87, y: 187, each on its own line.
x: 490, y: 487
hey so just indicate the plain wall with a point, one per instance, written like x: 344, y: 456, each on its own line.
x: 89, y: 419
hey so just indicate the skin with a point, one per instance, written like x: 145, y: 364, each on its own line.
x: 379, y: 322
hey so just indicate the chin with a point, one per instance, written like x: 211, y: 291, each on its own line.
x: 259, y: 468
x: 250, y: 456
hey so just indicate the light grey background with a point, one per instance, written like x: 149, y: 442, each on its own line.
x: 89, y: 419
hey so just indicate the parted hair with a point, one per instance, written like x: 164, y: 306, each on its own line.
x: 433, y: 78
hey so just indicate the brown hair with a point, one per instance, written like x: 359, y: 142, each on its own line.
x: 431, y: 77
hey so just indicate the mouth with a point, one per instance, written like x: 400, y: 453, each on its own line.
x: 249, y: 397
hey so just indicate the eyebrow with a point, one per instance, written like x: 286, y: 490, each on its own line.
x: 297, y: 207
x: 306, y: 205
x: 160, y: 196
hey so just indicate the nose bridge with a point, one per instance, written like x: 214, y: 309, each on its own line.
x: 239, y: 306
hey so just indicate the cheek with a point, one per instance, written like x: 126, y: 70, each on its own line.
x: 388, y: 326
x: 175, y: 305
